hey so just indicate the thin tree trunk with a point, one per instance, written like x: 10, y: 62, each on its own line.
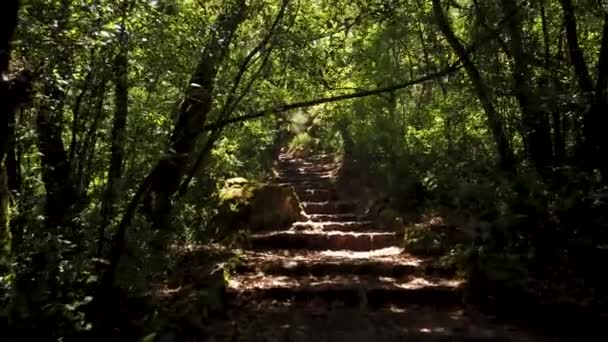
x: 576, y: 54
x: 598, y: 114
x: 505, y: 153
x: 86, y: 149
x: 587, y: 149
x: 8, y: 23
x: 534, y: 117
x: 202, y: 157
x: 121, y: 96
x: 559, y: 144
x: 14, y: 182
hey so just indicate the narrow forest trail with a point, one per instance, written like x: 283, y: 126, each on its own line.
x: 337, y: 277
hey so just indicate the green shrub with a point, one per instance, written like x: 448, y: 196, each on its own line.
x: 303, y: 142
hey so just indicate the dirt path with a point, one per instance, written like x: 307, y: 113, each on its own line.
x: 337, y: 277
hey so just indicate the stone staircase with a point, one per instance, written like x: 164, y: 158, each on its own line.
x: 337, y: 277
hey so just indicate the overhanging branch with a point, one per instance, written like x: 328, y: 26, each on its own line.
x: 311, y: 103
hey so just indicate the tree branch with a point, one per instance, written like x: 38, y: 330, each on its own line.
x: 311, y: 103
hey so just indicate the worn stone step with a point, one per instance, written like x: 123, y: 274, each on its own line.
x: 345, y: 226
x: 387, y: 262
x: 303, y: 165
x: 333, y: 217
x: 322, y: 158
x: 301, y: 186
x: 269, y: 320
x: 307, y: 182
x: 349, y: 289
x: 281, y: 163
x: 315, y: 195
x: 322, y: 172
x: 326, y: 240
x: 306, y: 173
x: 329, y: 207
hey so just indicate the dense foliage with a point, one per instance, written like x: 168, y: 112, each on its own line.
x: 120, y: 120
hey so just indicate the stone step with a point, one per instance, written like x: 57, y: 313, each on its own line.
x: 315, y: 195
x: 314, y: 158
x: 303, y: 162
x: 304, y: 165
x: 333, y: 217
x: 329, y: 207
x: 301, y: 186
x: 310, y: 322
x: 388, y: 262
x: 349, y: 289
x: 344, y: 226
x: 307, y: 182
x: 326, y: 240
x: 322, y: 172
x: 304, y: 173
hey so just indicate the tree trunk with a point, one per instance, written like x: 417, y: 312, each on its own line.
x: 505, y: 153
x: 535, y: 117
x: 121, y: 96
x: 55, y: 165
x: 168, y: 173
x: 202, y: 157
x: 559, y: 143
x: 163, y: 181
x: 56, y: 173
x: 8, y: 23
x: 598, y: 114
x: 576, y: 54
x: 587, y: 151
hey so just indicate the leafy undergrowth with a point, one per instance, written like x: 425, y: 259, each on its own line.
x: 512, y: 272
x: 193, y: 294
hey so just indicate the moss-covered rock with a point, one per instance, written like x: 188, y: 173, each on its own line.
x: 274, y: 206
x: 247, y: 205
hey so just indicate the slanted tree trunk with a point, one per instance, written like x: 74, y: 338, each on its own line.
x: 168, y: 173
x: 505, y: 153
x: 164, y: 179
x: 200, y: 161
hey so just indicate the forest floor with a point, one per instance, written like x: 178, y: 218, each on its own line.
x: 337, y: 277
